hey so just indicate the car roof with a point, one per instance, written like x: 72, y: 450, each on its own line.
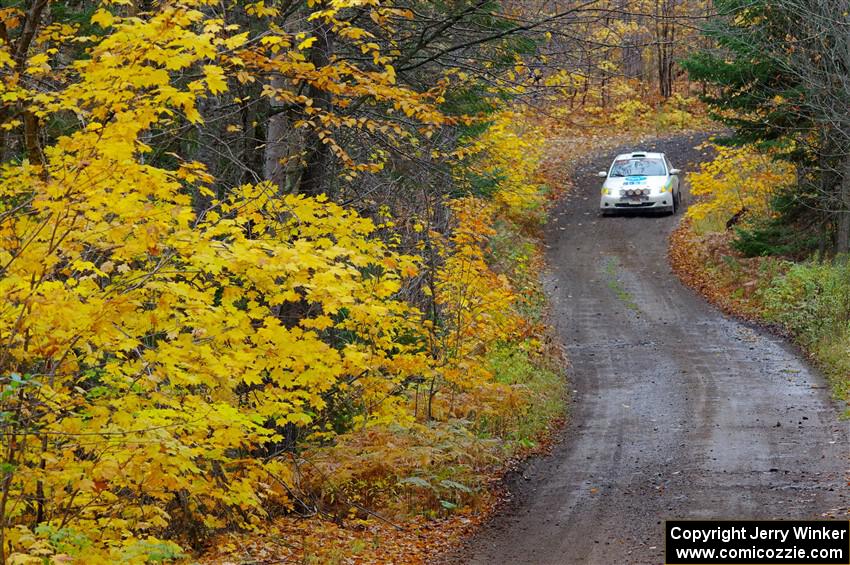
x: 640, y: 154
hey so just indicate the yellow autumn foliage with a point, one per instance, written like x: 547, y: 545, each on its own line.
x: 478, y: 330
x: 477, y: 303
x: 156, y: 352
x: 510, y: 150
x: 151, y: 356
x: 737, y: 179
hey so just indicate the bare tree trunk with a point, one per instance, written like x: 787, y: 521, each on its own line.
x: 665, y: 34
x: 31, y: 142
x: 284, y: 143
x: 632, y: 57
x: 842, y: 236
x: 317, y: 152
x: 20, y: 51
x: 586, y: 87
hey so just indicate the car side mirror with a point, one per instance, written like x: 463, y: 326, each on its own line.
x: 675, y: 171
x: 602, y: 174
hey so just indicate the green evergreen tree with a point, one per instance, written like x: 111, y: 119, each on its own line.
x: 776, y: 75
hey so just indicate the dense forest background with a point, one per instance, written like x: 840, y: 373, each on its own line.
x: 279, y: 259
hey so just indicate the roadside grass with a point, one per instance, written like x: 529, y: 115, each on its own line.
x: 812, y: 300
x: 709, y: 224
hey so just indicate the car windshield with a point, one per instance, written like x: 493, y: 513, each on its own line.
x: 640, y: 166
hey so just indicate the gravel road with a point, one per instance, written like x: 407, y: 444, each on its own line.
x: 677, y: 412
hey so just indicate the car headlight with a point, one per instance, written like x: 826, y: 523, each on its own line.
x: 606, y: 191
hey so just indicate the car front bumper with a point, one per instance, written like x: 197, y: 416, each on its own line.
x: 663, y: 201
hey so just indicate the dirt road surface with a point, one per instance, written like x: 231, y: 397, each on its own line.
x: 677, y: 412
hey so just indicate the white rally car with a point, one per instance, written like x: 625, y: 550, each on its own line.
x: 640, y: 181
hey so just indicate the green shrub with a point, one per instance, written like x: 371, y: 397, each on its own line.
x: 512, y: 364
x: 812, y: 299
x: 514, y: 254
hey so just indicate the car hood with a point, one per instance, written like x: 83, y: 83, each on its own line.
x: 652, y: 183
